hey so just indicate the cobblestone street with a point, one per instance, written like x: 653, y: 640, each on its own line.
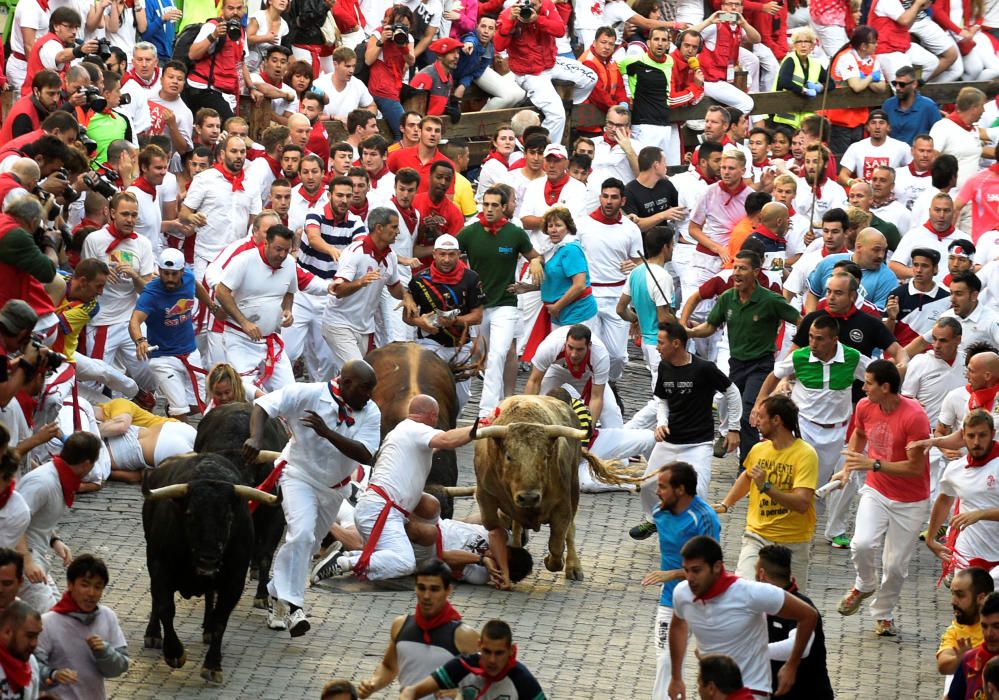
x: 582, y: 640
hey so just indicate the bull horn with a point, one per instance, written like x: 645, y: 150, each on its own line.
x: 557, y: 431
x: 459, y: 491
x: 252, y: 494
x: 492, y: 431
x: 165, y: 492
x: 265, y: 456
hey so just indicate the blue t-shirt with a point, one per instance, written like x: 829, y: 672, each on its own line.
x: 567, y: 261
x: 169, y: 316
x: 906, y: 125
x: 674, y: 532
x: 877, y: 284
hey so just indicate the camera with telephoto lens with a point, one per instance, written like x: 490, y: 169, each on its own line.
x: 99, y: 185
x: 103, y: 50
x: 125, y: 99
x: 53, y: 359
x: 95, y: 100
x: 89, y: 145
x: 233, y: 30
x: 525, y: 10
x: 400, y: 34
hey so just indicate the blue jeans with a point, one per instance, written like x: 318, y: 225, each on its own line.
x: 392, y: 112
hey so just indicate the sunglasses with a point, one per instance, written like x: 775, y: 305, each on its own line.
x: 900, y: 84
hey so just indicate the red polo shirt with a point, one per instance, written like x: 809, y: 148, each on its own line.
x: 410, y: 158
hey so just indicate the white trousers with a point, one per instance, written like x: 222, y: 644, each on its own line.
x: 393, y: 556
x: 665, y: 137
x: 660, y: 641
x: 935, y: 40
x: 90, y: 370
x: 17, y: 71
x: 309, y: 513
x: 828, y: 444
x: 613, y: 332
x: 390, y: 328
x: 542, y: 94
x: 570, y: 70
x: 174, y: 382
x: 729, y: 94
x: 325, y: 62
x: 982, y: 63
x: 175, y: 439
x: 832, y: 37
x: 40, y: 596
x: 768, y: 67
x: 113, y: 344
x: 615, y: 444
x: 697, y: 455
x: 838, y: 506
x: 915, y: 56
x: 499, y: 328
x: 345, y: 343
x: 503, y: 88
x: 248, y: 356
x: 305, y: 337
x: 894, y: 528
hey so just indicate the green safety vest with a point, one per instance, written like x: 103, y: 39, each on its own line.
x: 814, y: 70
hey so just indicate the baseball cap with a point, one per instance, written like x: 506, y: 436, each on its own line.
x: 557, y: 150
x: 17, y: 316
x: 445, y: 45
x: 171, y: 259
x: 877, y: 114
x: 962, y: 247
x: 446, y: 242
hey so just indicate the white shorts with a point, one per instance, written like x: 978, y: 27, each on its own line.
x: 175, y: 439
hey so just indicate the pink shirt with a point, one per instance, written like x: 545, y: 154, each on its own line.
x: 981, y: 191
x: 718, y: 212
x: 887, y: 436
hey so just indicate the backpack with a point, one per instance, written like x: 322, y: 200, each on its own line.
x: 311, y: 13
x: 362, y: 71
x: 182, y: 44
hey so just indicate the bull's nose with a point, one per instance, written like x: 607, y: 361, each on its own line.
x: 528, y: 499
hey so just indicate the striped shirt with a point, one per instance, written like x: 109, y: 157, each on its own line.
x: 339, y: 234
x: 823, y: 390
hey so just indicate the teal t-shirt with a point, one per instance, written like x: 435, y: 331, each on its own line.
x: 567, y: 261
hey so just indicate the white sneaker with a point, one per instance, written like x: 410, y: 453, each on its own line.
x: 297, y: 623
x: 329, y: 565
x: 277, y: 611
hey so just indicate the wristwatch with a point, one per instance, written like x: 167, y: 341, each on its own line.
x: 877, y: 465
x: 766, y: 487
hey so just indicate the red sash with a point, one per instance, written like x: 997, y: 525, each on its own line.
x: 361, y: 567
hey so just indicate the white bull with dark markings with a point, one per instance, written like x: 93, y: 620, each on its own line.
x: 526, y: 468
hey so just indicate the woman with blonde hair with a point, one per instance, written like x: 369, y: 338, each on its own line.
x: 224, y: 385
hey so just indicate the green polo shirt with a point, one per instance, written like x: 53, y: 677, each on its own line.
x: 494, y: 258
x: 753, y: 326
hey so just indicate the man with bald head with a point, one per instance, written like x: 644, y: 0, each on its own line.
x: 19, y: 182
x: 981, y: 391
x: 877, y: 281
x: 334, y: 427
x: 861, y: 195
x: 394, y: 490
x: 300, y: 127
x: 770, y: 232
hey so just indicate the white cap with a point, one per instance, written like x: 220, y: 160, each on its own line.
x: 446, y: 242
x: 557, y: 150
x: 171, y: 259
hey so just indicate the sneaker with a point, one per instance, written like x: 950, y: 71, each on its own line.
x: 719, y: 448
x: 329, y: 565
x: 850, y: 603
x: 840, y: 542
x: 297, y: 623
x: 145, y: 400
x: 922, y: 535
x: 277, y: 611
x: 643, y: 531
x: 885, y: 628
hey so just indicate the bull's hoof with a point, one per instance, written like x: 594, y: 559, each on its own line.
x: 553, y: 563
x: 574, y: 573
x: 206, y: 637
x: 152, y: 642
x: 212, y: 675
x: 260, y: 603
x: 176, y: 662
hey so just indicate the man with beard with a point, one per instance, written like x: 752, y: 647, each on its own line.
x: 968, y: 590
x: 438, y: 214
x: 20, y: 678
x: 27, y: 114
x: 424, y: 155
x: 817, y: 192
x: 979, y: 322
x: 877, y: 278
x: 262, y: 171
x: 309, y: 196
x: 968, y: 683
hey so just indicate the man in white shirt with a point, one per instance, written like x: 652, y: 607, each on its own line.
x: 396, y: 485
x: 979, y: 323
x: 142, y: 83
x: 958, y: 137
x: 690, y: 187
x: 884, y: 205
x: 815, y: 186
x: 153, y: 164
x: 345, y: 92
x: 261, y: 172
x: 256, y: 292
x: 167, y: 112
x: 405, y: 183
x: 334, y: 427
x: 915, y: 178
x: 879, y: 149
x: 935, y: 234
x: 220, y: 204
x: 616, y: 156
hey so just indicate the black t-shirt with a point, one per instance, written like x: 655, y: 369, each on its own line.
x: 689, y: 391
x: 429, y: 296
x: 645, y: 201
x: 812, y: 682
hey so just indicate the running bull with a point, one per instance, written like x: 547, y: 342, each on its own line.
x: 199, y: 538
x: 526, y: 468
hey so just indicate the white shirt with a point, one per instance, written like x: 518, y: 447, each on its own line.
x: 28, y: 15
x: 14, y: 520
x: 796, y: 232
x: 150, y: 218
x: 832, y: 196
x: 954, y: 408
x: 655, y: 273
x: 519, y: 182
x: 357, y: 311
x: 182, y: 115
x: 118, y: 299
x: 690, y: 188
x: 929, y: 379
x: 950, y: 138
x: 490, y: 173
x: 300, y: 208
x: 987, y: 248
x: 404, y: 460
x: 42, y: 492
x: 612, y: 161
x: 311, y: 458
x: 797, y: 281
x: 606, y: 247
x: 354, y: 95
x: 138, y: 110
x: 822, y: 404
x: 47, y: 54
x: 259, y: 175
x: 227, y: 212
x: 258, y: 289
x: 279, y: 105
x: 547, y: 360
x: 735, y: 624
x: 862, y: 157
x: 894, y: 212
x: 908, y: 186
x: 921, y: 207
x: 255, y: 54
x: 572, y: 197
x: 982, y: 324
x: 404, y: 242
x: 989, y: 275
x: 977, y: 488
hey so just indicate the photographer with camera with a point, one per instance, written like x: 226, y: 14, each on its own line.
x: 56, y: 49
x: 531, y: 27
x: 19, y: 182
x: 218, y: 53
x: 50, y: 154
x: 20, y: 358
x: 389, y: 53
x: 60, y: 124
x: 27, y: 114
x: 115, y: 172
x: 104, y: 121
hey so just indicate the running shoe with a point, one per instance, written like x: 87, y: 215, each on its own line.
x: 643, y: 531
x: 329, y: 565
x: 840, y: 542
x: 277, y: 612
x: 885, y: 628
x: 850, y: 603
x: 297, y: 623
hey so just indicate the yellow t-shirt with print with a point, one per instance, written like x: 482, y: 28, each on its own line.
x: 140, y: 417
x: 794, y: 467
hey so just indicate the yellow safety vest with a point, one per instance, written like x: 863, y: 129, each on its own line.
x: 814, y: 70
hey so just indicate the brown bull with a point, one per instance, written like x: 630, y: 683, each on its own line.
x: 526, y: 468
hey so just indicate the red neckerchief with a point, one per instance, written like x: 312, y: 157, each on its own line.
x: 938, y: 234
x: 733, y: 193
x: 380, y: 256
x: 263, y: 256
x: 107, y: 111
x: 954, y: 117
x: 764, y: 163
x: 741, y: 694
x: 842, y: 317
x: 132, y: 75
x: 276, y: 82
x: 309, y: 199
x: 17, y: 672
x: 494, y: 229
x: 721, y: 584
x: 68, y: 479
x: 791, y: 212
x: 598, y: 215
x: 345, y: 414
x: 983, y: 398
x: 490, y: 680
x: 792, y: 587
x: 117, y: 238
x: 142, y: 184
x: 446, y: 615
x: 767, y: 233
x: 5, y: 495
x: 994, y: 168
x: 107, y: 171
x: 375, y: 177
x: 439, y: 277
x: 275, y: 166
x: 360, y: 211
x: 576, y: 372
x: 818, y: 185
x: 44, y: 4
x: 496, y: 155
x: 826, y: 251
x: 915, y: 173
x: 408, y: 215
x: 708, y: 180
x: 657, y: 60
x: 66, y: 605
x: 992, y: 454
x: 234, y: 179
x: 554, y: 190
x: 611, y: 141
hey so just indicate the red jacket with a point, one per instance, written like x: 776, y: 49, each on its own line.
x: 682, y: 79
x: 24, y: 106
x: 228, y: 58
x: 16, y: 145
x: 15, y: 283
x: 715, y: 62
x: 774, y: 34
x: 535, y: 44
x: 609, y: 90
x: 35, y: 61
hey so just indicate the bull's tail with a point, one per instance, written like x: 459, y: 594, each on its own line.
x: 610, y: 472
